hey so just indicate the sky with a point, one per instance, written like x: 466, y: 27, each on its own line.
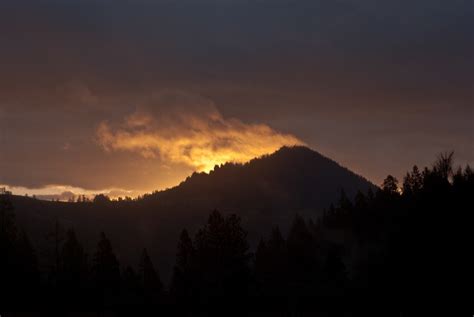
x: 126, y: 97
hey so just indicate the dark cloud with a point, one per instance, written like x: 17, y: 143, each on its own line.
x: 361, y: 81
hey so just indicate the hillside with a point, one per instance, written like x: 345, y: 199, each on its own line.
x: 295, y: 178
x: 265, y: 192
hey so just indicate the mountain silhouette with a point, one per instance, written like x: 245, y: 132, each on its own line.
x: 295, y: 178
x: 265, y: 192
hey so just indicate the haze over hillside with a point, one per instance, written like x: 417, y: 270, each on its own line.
x: 264, y: 192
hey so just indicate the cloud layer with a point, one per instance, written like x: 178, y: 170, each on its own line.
x: 68, y: 193
x: 200, y: 138
x: 359, y: 81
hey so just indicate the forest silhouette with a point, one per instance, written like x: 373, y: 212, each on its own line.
x: 385, y: 245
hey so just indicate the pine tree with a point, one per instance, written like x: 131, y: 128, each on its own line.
x: 182, y: 280
x: 149, y: 278
x: 413, y: 182
x: 271, y: 264
x: 56, y: 238
x: 72, y: 264
x: 335, y: 274
x: 26, y: 272
x: 131, y: 288
x: 261, y: 261
x: 185, y: 251
x: 390, y: 185
x: 304, y: 266
x: 222, y: 256
x: 106, y: 271
x: 7, y: 220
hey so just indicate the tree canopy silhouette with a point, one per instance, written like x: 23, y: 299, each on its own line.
x: 387, y: 246
x: 106, y: 272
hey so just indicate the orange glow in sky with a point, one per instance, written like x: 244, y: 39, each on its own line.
x: 200, y: 141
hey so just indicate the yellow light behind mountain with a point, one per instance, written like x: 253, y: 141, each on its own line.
x: 199, y: 141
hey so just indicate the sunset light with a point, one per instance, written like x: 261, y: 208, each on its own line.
x: 193, y: 157
x: 199, y: 140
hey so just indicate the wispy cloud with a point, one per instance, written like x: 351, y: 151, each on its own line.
x: 192, y: 133
x: 67, y: 192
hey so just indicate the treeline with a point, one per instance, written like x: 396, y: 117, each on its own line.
x: 397, y: 244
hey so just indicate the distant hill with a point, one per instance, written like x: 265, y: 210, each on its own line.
x: 295, y: 178
x: 265, y: 192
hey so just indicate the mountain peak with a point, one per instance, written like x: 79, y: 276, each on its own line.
x: 293, y: 152
x: 291, y: 178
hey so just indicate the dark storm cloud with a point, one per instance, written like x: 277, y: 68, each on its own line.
x: 374, y: 50
x: 359, y: 80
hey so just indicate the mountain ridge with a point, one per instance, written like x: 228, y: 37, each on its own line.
x: 300, y: 149
x: 264, y: 192
x: 290, y: 171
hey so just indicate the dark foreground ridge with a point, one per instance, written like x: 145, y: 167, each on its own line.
x: 265, y: 192
x: 382, y: 248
